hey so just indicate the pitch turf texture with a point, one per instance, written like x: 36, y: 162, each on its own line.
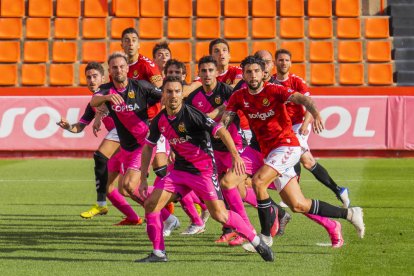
x: 41, y: 232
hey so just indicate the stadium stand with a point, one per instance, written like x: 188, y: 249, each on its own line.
x: 342, y: 37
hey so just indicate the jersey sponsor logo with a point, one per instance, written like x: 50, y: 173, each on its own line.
x: 126, y: 107
x: 156, y: 78
x: 262, y: 116
x: 181, y: 127
x: 179, y: 140
x: 266, y: 102
x: 131, y: 94
x: 217, y: 100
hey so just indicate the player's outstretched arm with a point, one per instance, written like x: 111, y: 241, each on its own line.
x: 298, y: 98
x: 187, y: 89
x: 75, y: 128
x: 227, y: 118
x: 145, y: 162
x: 238, y: 164
x: 217, y: 112
x: 98, y: 100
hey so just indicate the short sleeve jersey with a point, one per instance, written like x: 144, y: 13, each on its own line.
x: 130, y: 117
x: 267, y: 115
x: 296, y: 83
x: 232, y: 73
x: 145, y: 69
x: 188, y: 134
x: 89, y: 115
x: 207, y: 102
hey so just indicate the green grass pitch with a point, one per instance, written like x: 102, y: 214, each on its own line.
x: 41, y: 232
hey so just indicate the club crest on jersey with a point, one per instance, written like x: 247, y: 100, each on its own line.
x: 181, y: 127
x: 266, y: 102
x: 228, y: 81
x: 135, y: 73
x: 217, y: 100
x: 131, y: 94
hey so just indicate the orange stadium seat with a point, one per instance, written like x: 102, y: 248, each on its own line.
x: 94, y: 51
x: 151, y: 28
x: 208, y: 8
x: 115, y: 46
x: 236, y: 8
x: 321, y: 51
x: 207, y: 28
x: 264, y: 45
x: 296, y: 48
x: 236, y: 27
x: 118, y: 25
x: 349, y: 51
x: 378, y: 51
x: 152, y: 8
x: 377, y: 27
x: 82, y: 77
x: 61, y: 74
x: 264, y: 27
x: 33, y: 74
x: 10, y: 28
x: 238, y: 51
x: 8, y: 74
x: 347, y: 8
x: 68, y: 8
x: 179, y: 27
x: 189, y: 71
x: 122, y: 8
x: 146, y: 48
x: 66, y: 28
x: 180, y: 8
x: 94, y: 28
x: 348, y: 28
x: 299, y: 69
x: 380, y: 74
x: 292, y: 8
x: 320, y: 27
x: 263, y: 8
x: 351, y: 74
x: 96, y: 8
x: 201, y: 49
x: 37, y: 28
x: 36, y: 51
x: 319, y: 8
x: 9, y: 51
x: 322, y: 74
x: 40, y: 8
x: 181, y: 51
x: 12, y: 8
x: 292, y: 27
x: 64, y: 51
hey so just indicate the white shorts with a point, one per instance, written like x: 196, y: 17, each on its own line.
x: 283, y: 159
x: 303, y: 139
x: 112, y: 135
x: 163, y: 146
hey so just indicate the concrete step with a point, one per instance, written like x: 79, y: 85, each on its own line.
x: 405, y: 76
x: 393, y: 2
x: 403, y: 22
x: 404, y: 65
x: 403, y: 31
x: 405, y: 84
x: 403, y: 42
x: 402, y: 10
x: 404, y: 54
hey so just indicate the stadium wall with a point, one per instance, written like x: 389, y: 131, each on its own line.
x: 359, y: 122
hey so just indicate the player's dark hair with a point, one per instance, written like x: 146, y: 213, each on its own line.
x: 117, y: 55
x: 129, y: 31
x: 207, y: 59
x: 177, y: 63
x: 217, y: 41
x: 95, y: 66
x: 159, y: 46
x: 252, y: 60
x: 171, y: 79
x: 282, y: 51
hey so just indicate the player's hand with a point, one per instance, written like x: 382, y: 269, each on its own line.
x: 171, y: 158
x: 63, y: 123
x: 238, y: 165
x: 143, y: 188
x: 318, y: 124
x: 115, y: 99
x: 303, y: 130
x: 96, y: 127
